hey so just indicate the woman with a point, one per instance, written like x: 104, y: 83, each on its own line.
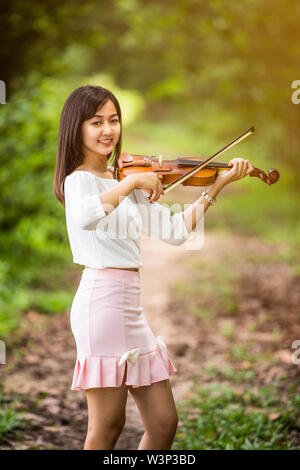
x: 116, y: 349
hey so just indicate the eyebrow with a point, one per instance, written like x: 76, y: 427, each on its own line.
x: 101, y: 116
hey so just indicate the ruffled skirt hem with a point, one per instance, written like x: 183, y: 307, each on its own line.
x: 105, y: 371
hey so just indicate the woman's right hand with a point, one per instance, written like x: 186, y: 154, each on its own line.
x: 149, y: 181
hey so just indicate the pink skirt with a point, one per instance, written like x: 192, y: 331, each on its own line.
x: 110, y: 331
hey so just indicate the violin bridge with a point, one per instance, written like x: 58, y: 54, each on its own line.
x: 160, y: 164
x: 148, y: 161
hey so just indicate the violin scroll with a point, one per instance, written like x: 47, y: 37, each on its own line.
x: 270, y: 178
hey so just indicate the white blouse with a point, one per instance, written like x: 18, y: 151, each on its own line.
x: 101, y: 241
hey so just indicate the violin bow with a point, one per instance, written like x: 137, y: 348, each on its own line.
x: 195, y: 170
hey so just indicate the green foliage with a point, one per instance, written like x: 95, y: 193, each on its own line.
x: 220, y: 418
x: 197, y: 54
x: 51, y: 302
x: 35, y: 255
x: 9, y: 418
x: 36, y: 33
x: 33, y: 235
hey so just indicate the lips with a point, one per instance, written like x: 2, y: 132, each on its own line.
x: 108, y: 145
x: 105, y: 143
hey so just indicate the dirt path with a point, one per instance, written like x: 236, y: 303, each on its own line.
x: 40, y: 374
x: 58, y: 415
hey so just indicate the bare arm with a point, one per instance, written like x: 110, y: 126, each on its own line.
x: 111, y: 198
x: 192, y: 215
x: 240, y: 168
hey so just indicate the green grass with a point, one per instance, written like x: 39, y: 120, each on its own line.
x: 227, y: 329
x: 10, y: 418
x: 220, y: 418
x: 229, y: 373
x: 242, y: 352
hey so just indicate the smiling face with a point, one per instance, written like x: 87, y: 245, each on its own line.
x: 100, y: 134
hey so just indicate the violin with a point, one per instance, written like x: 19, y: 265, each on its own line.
x: 186, y: 171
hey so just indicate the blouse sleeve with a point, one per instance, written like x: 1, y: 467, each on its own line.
x: 157, y: 221
x: 82, y: 200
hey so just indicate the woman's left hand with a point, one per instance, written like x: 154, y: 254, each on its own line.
x: 240, y: 168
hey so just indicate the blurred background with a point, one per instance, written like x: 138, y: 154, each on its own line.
x: 190, y: 76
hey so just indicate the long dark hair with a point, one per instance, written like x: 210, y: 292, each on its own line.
x: 80, y: 106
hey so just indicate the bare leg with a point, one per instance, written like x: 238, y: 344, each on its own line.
x: 106, y: 416
x: 158, y: 411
